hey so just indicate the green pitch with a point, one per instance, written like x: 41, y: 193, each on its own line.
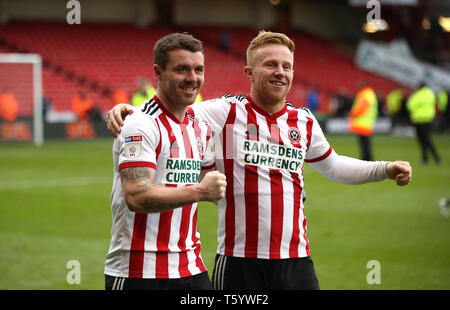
x: 55, y: 209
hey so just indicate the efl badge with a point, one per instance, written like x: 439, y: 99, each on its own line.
x: 133, y: 146
x: 294, y: 135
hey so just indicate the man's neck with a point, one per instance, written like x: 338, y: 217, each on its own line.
x: 177, y: 111
x: 269, y: 107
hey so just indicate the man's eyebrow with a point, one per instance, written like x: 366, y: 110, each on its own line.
x: 182, y: 66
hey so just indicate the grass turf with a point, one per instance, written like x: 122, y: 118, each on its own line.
x: 55, y: 208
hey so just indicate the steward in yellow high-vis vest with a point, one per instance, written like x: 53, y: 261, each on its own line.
x: 363, y: 115
x: 422, y: 106
x: 422, y: 109
x: 141, y: 96
x: 364, y: 112
x: 394, y: 101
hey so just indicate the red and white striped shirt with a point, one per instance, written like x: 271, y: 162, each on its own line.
x: 165, y: 244
x: 262, y: 157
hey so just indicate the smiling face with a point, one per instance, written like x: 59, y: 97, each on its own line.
x: 181, y: 80
x: 270, y: 72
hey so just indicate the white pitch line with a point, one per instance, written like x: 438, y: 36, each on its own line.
x: 47, y: 183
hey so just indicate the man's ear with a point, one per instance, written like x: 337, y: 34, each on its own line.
x: 248, y: 71
x: 157, y: 72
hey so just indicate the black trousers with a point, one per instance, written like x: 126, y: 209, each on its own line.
x: 200, y: 281
x: 365, y: 147
x: 232, y: 273
x: 423, y: 132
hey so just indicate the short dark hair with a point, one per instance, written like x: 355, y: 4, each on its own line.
x: 171, y: 42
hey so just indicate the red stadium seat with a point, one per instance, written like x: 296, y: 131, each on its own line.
x: 115, y: 55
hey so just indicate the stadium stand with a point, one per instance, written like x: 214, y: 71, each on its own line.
x: 15, y: 81
x: 317, y: 63
x: 99, y: 58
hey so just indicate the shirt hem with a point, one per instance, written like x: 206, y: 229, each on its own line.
x: 262, y: 256
x: 144, y: 275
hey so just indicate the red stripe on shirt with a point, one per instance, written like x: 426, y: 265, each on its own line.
x: 230, y: 211
x: 186, y: 141
x: 297, y: 192
x: 309, y: 125
x: 195, y: 240
x: 158, y: 148
x: 186, y: 212
x: 198, y: 132
x: 251, y: 191
x: 198, y: 260
x: 327, y: 153
x: 165, y: 218
x: 184, y: 230
x: 162, y: 243
x: 295, y: 239
x: 137, y: 164
x: 208, y: 135
x: 136, y: 265
x: 304, y: 236
x: 276, y: 197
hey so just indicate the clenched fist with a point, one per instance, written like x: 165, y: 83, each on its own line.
x: 212, y: 187
x: 400, y: 171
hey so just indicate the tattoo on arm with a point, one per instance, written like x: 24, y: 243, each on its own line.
x: 137, y: 175
x: 141, y: 180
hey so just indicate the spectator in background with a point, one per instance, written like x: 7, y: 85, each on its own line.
x: 121, y: 96
x: 444, y: 111
x: 362, y: 118
x: 394, y: 105
x: 344, y: 103
x: 381, y: 106
x: 84, y: 107
x: 313, y: 100
x: 144, y: 92
x: 9, y: 106
x: 422, y: 108
x: 225, y: 39
x: 47, y: 106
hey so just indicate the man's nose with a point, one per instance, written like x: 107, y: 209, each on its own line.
x: 279, y: 70
x: 191, y: 76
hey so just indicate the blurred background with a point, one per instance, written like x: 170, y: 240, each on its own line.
x: 107, y: 56
x: 89, y: 55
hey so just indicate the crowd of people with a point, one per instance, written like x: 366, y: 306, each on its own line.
x: 422, y: 108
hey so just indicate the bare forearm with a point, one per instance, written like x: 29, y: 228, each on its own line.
x: 155, y: 198
x: 143, y: 196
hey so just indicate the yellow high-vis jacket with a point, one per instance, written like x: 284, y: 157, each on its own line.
x: 364, y: 112
x: 422, y: 106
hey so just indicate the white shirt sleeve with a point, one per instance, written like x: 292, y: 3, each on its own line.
x: 208, y: 156
x: 137, y: 141
x: 319, y: 146
x: 214, y: 112
x: 349, y: 170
